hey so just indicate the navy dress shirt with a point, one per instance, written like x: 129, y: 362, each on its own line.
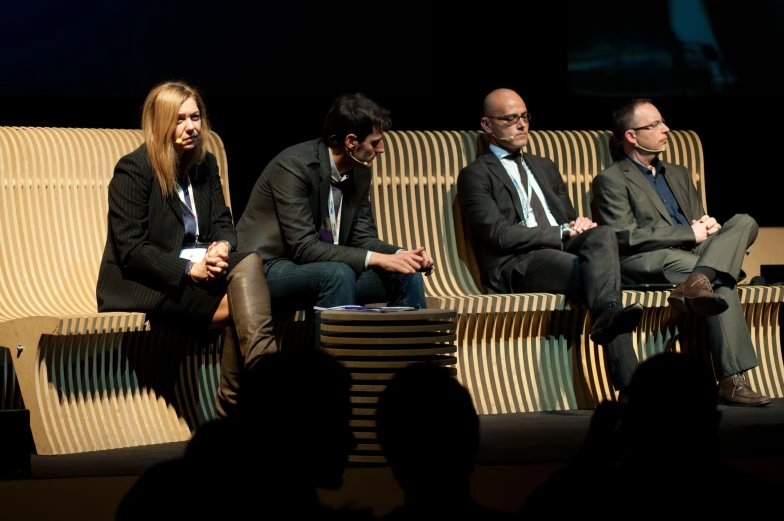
x: 659, y: 183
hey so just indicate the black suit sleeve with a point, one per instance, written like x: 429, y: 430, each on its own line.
x: 290, y: 190
x: 489, y: 211
x: 130, y: 190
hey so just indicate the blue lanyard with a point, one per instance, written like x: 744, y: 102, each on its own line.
x: 192, y: 206
x: 334, y: 221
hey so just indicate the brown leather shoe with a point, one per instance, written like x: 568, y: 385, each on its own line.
x: 696, y: 294
x: 615, y: 320
x: 733, y: 390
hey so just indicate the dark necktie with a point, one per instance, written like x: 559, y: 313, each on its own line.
x: 536, y: 205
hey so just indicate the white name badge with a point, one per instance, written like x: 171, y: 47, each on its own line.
x: 193, y: 253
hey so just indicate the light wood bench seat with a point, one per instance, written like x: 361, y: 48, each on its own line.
x: 531, y: 352
x: 95, y: 381
x: 91, y: 381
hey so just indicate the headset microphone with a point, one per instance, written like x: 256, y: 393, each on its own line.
x: 506, y: 138
x: 366, y: 164
x: 650, y: 150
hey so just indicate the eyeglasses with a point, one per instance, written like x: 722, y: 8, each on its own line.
x: 512, y: 120
x: 652, y: 126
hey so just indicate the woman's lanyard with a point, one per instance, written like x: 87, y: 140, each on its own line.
x: 192, y: 207
x: 334, y: 221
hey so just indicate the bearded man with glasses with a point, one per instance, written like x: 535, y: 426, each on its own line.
x: 665, y: 236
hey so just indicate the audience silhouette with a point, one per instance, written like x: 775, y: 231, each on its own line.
x: 429, y: 433
x: 655, y: 455
x: 289, y: 437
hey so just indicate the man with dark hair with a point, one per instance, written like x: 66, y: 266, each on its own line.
x: 531, y: 239
x: 309, y: 217
x: 664, y: 235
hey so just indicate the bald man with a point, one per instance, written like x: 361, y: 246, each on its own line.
x: 530, y: 239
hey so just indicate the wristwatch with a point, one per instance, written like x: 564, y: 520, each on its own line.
x: 566, y: 231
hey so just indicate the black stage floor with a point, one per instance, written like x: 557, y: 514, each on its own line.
x: 508, y: 439
x: 744, y: 432
x: 517, y: 452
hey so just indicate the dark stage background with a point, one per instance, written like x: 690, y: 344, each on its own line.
x: 270, y: 70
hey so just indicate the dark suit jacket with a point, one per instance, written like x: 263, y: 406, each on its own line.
x: 624, y: 200
x: 491, y: 208
x: 284, y: 213
x: 141, y: 262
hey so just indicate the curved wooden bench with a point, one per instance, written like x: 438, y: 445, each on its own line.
x: 95, y: 381
x: 91, y: 380
x: 531, y: 352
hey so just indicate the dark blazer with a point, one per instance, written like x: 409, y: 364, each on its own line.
x: 491, y: 207
x: 284, y: 213
x: 141, y: 262
x: 624, y: 200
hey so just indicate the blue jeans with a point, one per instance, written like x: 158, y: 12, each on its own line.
x: 327, y: 284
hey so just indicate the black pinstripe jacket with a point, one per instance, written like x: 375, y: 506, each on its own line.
x: 141, y: 260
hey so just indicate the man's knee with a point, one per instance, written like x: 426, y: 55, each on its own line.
x: 605, y: 236
x: 411, y: 291
x: 337, y: 275
x: 337, y: 285
x: 415, y: 283
x: 743, y: 220
x: 606, y: 233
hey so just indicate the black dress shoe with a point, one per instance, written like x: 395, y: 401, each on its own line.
x: 615, y: 320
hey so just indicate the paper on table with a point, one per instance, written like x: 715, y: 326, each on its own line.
x: 386, y: 309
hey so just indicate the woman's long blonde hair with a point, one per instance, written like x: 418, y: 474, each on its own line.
x: 159, y: 118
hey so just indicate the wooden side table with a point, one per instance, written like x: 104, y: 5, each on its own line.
x: 374, y: 345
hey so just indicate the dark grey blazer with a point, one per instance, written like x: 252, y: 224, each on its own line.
x: 141, y: 260
x: 624, y: 200
x: 491, y: 207
x: 284, y: 213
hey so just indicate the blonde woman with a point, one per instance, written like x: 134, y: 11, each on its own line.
x: 170, y: 244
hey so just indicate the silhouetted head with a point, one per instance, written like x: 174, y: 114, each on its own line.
x: 671, y: 415
x: 300, y: 397
x: 428, y: 428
